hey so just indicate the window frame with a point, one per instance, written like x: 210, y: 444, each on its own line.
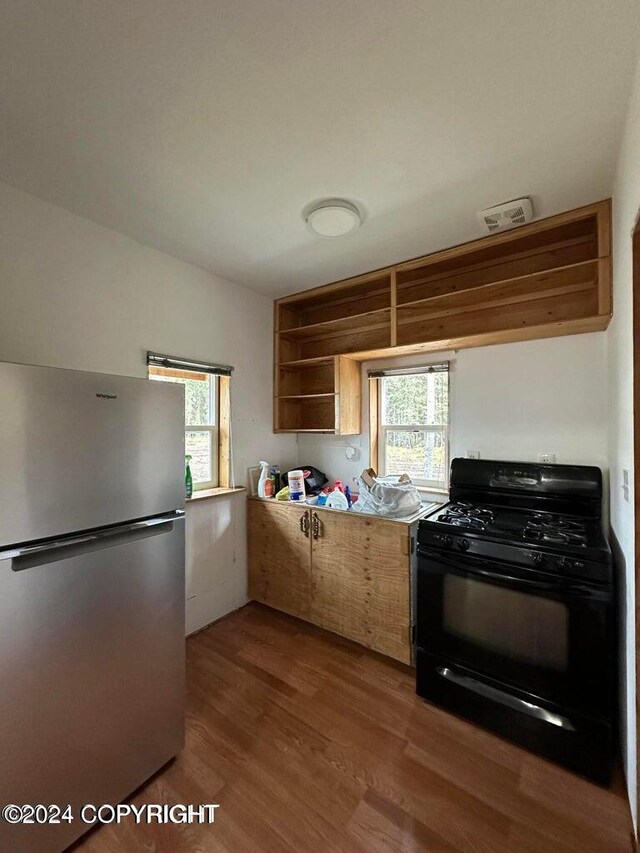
x: 378, y: 433
x: 156, y: 374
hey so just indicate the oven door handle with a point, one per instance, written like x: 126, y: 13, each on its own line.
x: 559, y: 586
x: 530, y: 584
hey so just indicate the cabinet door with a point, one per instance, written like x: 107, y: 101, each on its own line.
x: 360, y: 581
x: 280, y: 556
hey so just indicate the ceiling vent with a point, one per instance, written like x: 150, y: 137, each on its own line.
x: 507, y: 215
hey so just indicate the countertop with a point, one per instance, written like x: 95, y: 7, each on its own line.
x: 426, y: 508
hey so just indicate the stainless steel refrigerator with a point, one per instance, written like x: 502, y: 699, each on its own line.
x: 91, y: 591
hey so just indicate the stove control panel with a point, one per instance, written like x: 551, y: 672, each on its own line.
x: 567, y: 565
x: 443, y: 539
x: 463, y: 547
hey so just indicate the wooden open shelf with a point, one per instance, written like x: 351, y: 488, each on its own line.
x: 316, y: 377
x: 321, y: 395
x: 362, y: 295
x: 340, y: 336
x: 379, y: 319
x: 549, y: 278
x: 307, y: 413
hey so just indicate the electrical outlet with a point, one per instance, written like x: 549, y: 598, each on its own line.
x: 546, y: 458
x: 473, y: 454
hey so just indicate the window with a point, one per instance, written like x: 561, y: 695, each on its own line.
x: 207, y: 417
x: 412, y: 413
x: 201, y: 421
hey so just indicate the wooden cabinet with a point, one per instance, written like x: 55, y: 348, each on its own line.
x: 549, y: 278
x: 360, y: 581
x: 280, y: 556
x: 344, y: 572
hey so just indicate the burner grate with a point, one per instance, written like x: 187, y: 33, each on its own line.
x: 467, y: 515
x: 517, y: 525
x: 557, y: 530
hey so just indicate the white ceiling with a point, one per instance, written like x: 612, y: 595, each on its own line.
x: 203, y: 127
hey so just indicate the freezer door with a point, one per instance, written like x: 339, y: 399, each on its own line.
x: 92, y: 673
x: 82, y: 450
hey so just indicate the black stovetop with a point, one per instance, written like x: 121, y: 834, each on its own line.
x: 570, y: 533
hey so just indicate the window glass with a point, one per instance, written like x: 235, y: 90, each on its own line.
x: 198, y: 446
x: 414, y: 427
x: 201, y: 432
x: 421, y: 455
x: 198, y: 397
x: 419, y: 399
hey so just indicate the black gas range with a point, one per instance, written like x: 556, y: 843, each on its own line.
x: 515, y: 608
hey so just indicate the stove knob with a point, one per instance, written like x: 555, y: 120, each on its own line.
x: 539, y: 559
x: 563, y: 563
x: 463, y: 544
x: 447, y: 541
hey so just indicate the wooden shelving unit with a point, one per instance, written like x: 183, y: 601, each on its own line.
x: 319, y: 395
x: 549, y: 278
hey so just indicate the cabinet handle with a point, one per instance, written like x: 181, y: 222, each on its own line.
x: 317, y: 526
x: 304, y: 523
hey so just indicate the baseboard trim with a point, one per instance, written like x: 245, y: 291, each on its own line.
x: 214, y: 621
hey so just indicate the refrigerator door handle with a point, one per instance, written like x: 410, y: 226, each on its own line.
x: 61, y: 549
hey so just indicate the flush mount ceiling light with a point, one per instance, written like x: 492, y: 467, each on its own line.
x: 333, y: 217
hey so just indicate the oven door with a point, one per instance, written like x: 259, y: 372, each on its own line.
x: 546, y: 636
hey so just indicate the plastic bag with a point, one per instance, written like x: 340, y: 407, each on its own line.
x: 393, y: 497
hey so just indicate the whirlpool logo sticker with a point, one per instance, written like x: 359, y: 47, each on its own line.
x: 107, y: 396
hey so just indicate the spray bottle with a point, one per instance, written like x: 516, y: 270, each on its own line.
x: 265, y: 483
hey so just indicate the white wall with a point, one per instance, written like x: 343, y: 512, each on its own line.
x: 511, y: 401
x: 216, y: 558
x: 74, y: 294
x: 626, y: 201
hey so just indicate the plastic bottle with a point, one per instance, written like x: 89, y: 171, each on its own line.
x: 339, y: 486
x: 296, y: 485
x: 337, y: 500
x: 347, y: 494
x: 188, y: 479
x: 322, y: 497
x: 264, y: 490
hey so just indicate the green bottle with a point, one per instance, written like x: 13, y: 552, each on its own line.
x: 188, y: 479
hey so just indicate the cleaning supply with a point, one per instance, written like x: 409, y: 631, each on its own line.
x: 274, y: 473
x: 339, y: 486
x: 265, y: 483
x: 296, y: 486
x: 188, y: 479
x: 347, y: 494
x: 269, y: 489
x: 322, y: 497
x: 283, y: 494
x: 337, y: 500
